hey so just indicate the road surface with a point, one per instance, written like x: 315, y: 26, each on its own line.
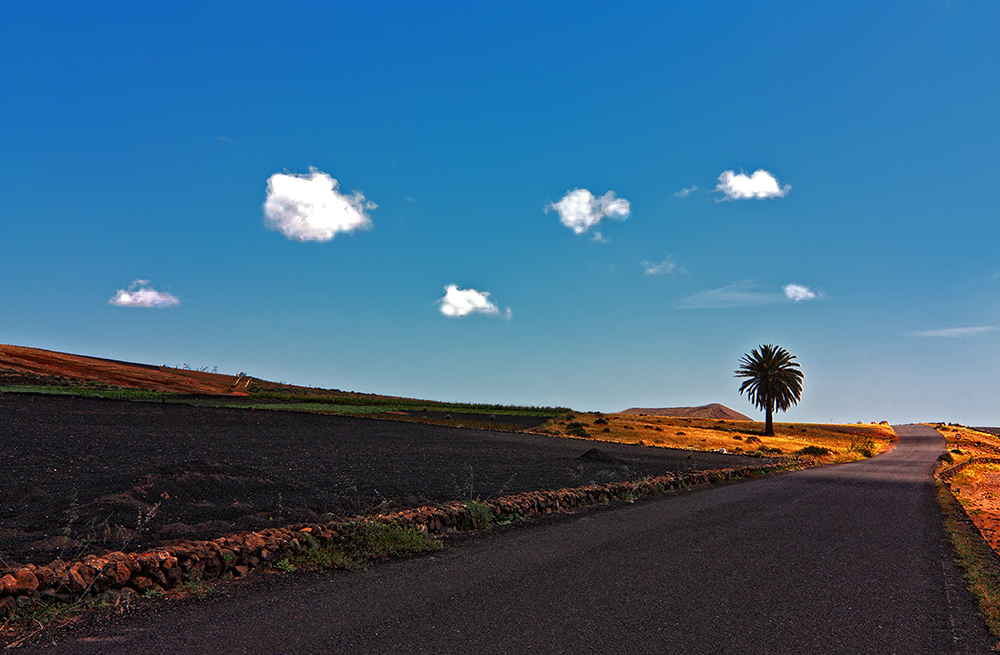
x: 844, y: 559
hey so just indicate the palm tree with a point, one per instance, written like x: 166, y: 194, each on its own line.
x: 774, y: 381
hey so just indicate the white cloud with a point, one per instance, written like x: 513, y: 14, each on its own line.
x: 141, y: 294
x: 684, y: 193
x: 953, y: 333
x: 580, y: 210
x: 760, y: 184
x: 665, y: 267
x: 462, y: 302
x: 311, y: 208
x: 798, y: 292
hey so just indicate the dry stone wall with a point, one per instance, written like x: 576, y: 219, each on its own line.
x: 946, y: 475
x: 117, y: 576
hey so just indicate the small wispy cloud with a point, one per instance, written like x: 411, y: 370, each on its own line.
x: 684, y: 193
x: 311, y: 208
x: 666, y: 267
x: 462, y: 302
x: 741, y: 294
x: 141, y: 294
x: 746, y: 294
x: 224, y: 140
x: 798, y: 292
x: 760, y: 184
x: 580, y: 210
x: 956, y: 333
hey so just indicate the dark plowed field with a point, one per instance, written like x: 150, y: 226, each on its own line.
x: 82, y: 475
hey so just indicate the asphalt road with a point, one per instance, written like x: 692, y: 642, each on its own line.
x: 845, y: 559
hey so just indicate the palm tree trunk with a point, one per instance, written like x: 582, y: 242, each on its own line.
x: 768, y: 421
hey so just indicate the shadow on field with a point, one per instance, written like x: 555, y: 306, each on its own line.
x: 86, y: 475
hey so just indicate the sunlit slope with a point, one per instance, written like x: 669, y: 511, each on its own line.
x: 824, y: 443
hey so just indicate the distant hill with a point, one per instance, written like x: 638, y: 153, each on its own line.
x: 715, y: 410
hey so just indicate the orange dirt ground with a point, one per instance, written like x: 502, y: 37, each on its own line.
x: 981, y: 499
x: 977, y: 486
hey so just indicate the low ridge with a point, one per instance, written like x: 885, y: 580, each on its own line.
x: 714, y: 410
x: 32, y: 363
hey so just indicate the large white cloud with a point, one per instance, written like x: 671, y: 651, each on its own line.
x: 580, y: 210
x: 760, y: 184
x: 798, y: 292
x: 141, y: 294
x: 462, y: 302
x: 311, y: 208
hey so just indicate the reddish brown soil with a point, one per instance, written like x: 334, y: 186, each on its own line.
x: 20, y: 365
x: 76, y: 368
x: 714, y: 410
x: 88, y: 474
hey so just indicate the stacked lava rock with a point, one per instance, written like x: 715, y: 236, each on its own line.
x: 115, y: 577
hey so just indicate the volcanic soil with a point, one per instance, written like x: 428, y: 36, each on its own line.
x: 87, y: 475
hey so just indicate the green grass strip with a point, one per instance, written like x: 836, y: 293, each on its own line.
x: 358, y: 543
x: 121, y: 393
x: 336, y: 403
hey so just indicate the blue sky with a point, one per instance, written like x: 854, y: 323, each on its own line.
x: 592, y: 167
